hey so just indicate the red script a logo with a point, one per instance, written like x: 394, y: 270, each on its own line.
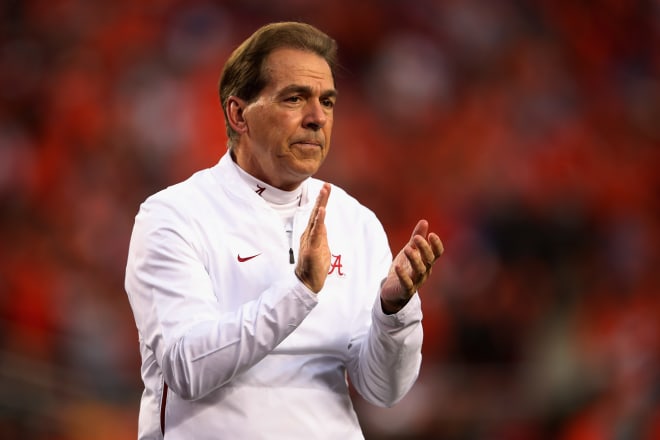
x: 336, y: 264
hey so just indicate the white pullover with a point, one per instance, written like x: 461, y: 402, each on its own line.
x: 233, y: 345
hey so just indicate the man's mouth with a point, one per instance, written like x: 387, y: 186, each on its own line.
x: 309, y: 143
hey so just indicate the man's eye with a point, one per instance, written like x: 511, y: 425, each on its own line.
x: 293, y: 99
x: 329, y: 103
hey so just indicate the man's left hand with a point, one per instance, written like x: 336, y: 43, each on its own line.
x: 410, y: 268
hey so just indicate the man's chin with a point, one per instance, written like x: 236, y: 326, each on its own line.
x: 303, y: 170
x: 307, y: 165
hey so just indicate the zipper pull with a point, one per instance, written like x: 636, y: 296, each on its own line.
x: 291, y: 259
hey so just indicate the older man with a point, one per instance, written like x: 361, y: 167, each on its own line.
x: 258, y: 289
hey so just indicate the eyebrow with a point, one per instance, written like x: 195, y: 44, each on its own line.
x: 306, y: 90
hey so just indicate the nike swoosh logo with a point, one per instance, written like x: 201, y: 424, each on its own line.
x: 244, y: 259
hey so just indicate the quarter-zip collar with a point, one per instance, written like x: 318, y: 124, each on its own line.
x: 228, y: 176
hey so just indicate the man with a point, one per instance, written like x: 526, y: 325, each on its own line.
x: 258, y: 289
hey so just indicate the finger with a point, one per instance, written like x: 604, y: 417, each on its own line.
x: 316, y: 233
x: 316, y: 225
x: 425, y: 251
x: 436, y: 245
x: 324, y: 195
x: 421, y: 228
x: 405, y: 280
x: 321, y: 202
x: 416, y: 261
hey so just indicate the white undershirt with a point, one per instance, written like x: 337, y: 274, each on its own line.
x: 283, y: 202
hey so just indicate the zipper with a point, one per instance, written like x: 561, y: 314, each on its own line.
x: 290, y: 233
x: 289, y: 236
x: 163, y: 403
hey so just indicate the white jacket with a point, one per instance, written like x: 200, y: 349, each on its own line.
x: 245, y: 349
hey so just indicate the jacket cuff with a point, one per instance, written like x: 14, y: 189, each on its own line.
x: 411, y: 313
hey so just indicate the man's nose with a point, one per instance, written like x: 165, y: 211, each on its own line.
x: 315, y: 116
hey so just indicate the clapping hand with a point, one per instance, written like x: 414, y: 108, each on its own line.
x: 314, y: 255
x: 410, y: 268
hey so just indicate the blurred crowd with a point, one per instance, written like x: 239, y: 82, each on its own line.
x: 526, y: 132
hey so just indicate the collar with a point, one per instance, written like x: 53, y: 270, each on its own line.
x: 269, y: 193
x: 230, y: 177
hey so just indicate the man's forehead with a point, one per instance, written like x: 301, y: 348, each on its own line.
x: 290, y: 63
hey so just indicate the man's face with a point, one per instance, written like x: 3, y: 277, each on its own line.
x: 288, y: 126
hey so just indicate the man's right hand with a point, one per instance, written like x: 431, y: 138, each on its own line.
x: 314, y: 255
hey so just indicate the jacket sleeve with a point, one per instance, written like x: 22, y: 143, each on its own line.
x: 198, y: 345
x: 385, y: 351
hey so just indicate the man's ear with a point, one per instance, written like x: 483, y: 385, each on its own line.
x: 235, y: 117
